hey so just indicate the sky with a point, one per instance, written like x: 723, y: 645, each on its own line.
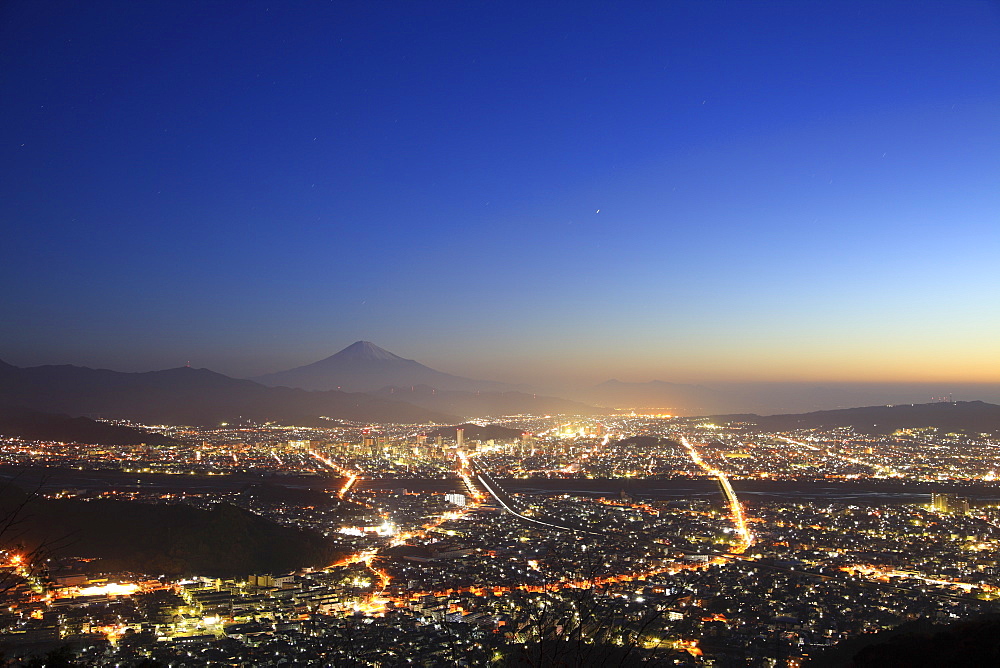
x: 686, y: 191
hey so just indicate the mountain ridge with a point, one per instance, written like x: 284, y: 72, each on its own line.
x: 185, y: 395
x: 977, y: 416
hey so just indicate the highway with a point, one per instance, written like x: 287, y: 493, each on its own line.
x: 506, y: 501
x: 735, y: 507
x: 491, y: 487
x: 351, y: 476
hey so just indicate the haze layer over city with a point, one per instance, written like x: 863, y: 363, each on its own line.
x: 468, y: 334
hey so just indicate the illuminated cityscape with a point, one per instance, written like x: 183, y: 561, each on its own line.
x: 679, y: 541
x: 689, y: 311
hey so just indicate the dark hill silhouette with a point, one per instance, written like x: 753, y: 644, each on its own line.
x: 959, y: 416
x: 162, y: 539
x: 919, y: 644
x: 38, y: 426
x: 272, y: 494
x: 189, y: 396
x: 476, y: 404
x: 364, y: 367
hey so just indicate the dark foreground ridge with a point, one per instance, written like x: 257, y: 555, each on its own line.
x: 920, y: 644
x: 173, y: 540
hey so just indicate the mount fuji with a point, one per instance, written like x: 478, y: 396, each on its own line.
x: 364, y: 367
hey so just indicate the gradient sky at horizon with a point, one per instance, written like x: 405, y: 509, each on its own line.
x: 688, y: 191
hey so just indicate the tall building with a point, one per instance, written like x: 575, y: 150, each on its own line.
x: 939, y: 502
x: 949, y: 503
x: 459, y: 438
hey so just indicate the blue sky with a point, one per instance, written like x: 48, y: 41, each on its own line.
x: 682, y: 190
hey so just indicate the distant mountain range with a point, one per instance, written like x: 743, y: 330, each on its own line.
x: 190, y: 396
x: 364, y: 382
x: 959, y: 416
x: 364, y: 367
